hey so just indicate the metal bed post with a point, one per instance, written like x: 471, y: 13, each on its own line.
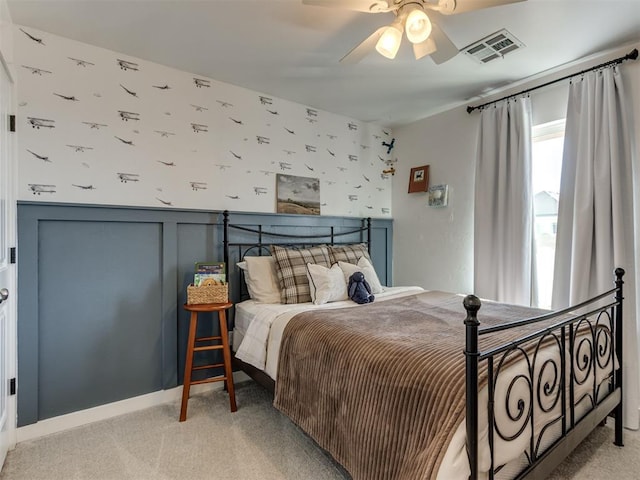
x: 369, y: 235
x: 618, y: 410
x: 225, y: 243
x: 472, y: 305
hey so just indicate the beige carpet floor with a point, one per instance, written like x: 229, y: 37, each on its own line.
x: 255, y: 443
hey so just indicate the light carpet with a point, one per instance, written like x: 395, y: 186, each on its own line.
x: 255, y: 443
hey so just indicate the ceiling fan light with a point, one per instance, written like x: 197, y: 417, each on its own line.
x: 389, y: 41
x: 418, y: 26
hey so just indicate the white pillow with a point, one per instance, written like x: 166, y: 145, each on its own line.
x: 261, y: 278
x: 365, y: 267
x: 326, y: 284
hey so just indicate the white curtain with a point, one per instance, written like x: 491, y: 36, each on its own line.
x: 595, y: 214
x: 504, y: 266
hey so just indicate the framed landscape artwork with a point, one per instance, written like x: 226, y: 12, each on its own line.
x: 299, y: 195
x: 419, y: 179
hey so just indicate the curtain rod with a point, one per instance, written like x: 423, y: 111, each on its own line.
x: 632, y: 55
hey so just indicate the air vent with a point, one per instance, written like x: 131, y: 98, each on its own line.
x: 496, y: 45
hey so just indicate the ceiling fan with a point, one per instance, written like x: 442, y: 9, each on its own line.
x: 422, y: 30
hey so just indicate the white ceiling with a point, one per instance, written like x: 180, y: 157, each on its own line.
x: 289, y: 50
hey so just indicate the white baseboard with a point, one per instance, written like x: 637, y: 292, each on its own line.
x: 103, y: 412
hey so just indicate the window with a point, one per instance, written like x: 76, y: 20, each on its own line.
x: 548, y: 141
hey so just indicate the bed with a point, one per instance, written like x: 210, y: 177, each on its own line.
x: 406, y: 387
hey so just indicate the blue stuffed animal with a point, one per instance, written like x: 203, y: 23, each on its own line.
x: 359, y: 289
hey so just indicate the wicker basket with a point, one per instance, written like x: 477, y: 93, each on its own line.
x: 208, y: 292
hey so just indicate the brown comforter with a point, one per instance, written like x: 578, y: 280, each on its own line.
x: 382, y: 386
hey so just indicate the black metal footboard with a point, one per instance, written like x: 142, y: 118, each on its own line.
x: 547, y: 389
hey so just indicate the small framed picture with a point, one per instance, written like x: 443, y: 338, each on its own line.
x: 419, y: 179
x: 438, y: 195
x: 298, y: 195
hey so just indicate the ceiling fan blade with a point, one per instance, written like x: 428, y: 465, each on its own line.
x: 424, y: 48
x: 450, y: 7
x: 363, y: 48
x: 375, y: 6
x: 446, y: 49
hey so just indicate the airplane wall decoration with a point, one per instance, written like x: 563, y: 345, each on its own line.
x: 343, y: 149
x: 389, y: 145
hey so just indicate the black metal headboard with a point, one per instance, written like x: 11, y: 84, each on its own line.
x: 257, y: 240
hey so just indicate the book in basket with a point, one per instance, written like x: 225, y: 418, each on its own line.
x: 205, y: 270
x: 209, y: 291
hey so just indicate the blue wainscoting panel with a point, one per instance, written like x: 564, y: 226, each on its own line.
x: 197, y: 242
x: 97, y: 305
x: 101, y: 293
x: 100, y: 319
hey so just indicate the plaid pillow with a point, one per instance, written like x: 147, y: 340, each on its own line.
x: 291, y: 268
x: 348, y: 253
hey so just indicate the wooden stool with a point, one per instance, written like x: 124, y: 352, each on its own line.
x: 192, y: 349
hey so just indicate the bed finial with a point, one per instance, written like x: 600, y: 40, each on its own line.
x: 472, y: 304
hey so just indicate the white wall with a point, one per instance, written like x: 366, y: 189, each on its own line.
x: 433, y: 247
x: 246, y: 139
